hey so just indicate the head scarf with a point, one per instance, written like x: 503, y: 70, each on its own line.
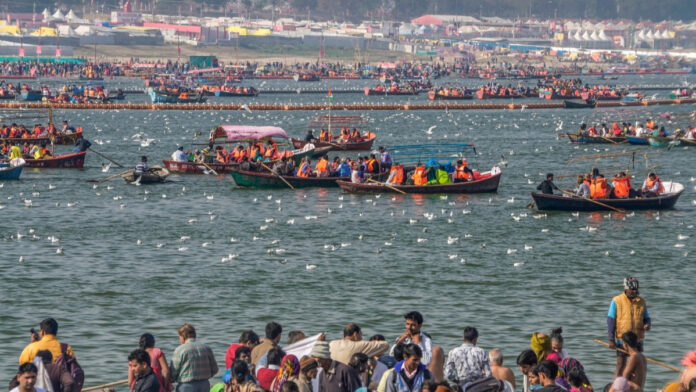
x: 541, y: 345
x: 689, y: 359
x: 289, y: 366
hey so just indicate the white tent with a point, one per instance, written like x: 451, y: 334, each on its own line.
x: 71, y: 15
x: 84, y: 30
x: 46, y: 15
x: 641, y: 35
x: 65, y: 30
x: 603, y: 36
x: 58, y: 15
x: 650, y: 35
x: 666, y: 35
x: 577, y: 37
x: 594, y: 36
x: 586, y: 36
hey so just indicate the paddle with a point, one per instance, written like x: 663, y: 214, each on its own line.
x: 102, y: 386
x: 209, y: 168
x: 621, y: 350
x: 530, y: 205
x: 110, y: 177
x: 277, y: 175
x: 594, y: 201
x: 105, y: 157
x: 387, y: 185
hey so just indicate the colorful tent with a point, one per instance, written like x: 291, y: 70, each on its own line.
x: 426, y: 20
x: 238, y: 29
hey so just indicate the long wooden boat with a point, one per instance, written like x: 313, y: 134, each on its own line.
x: 654, y: 141
x: 12, y: 169
x: 371, y: 91
x: 338, y: 146
x: 664, y: 201
x: 638, y: 140
x: 198, y: 168
x: 579, y: 105
x: 488, y: 183
x: 68, y: 139
x: 68, y: 161
x: 480, y: 95
x: 251, y: 92
x: 8, y: 96
x: 251, y: 179
x: 31, y: 95
x: 156, y: 174
x: 580, y: 138
x: 432, y: 95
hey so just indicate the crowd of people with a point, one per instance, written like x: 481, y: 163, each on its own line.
x: 413, y: 363
x: 649, y: 128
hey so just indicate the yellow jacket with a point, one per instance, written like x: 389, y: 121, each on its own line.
x: 629, y: 315
x: 47, y: 342
x: 15, y: 152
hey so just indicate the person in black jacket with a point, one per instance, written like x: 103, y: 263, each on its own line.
x: 547, y: 186
x: 145, y: 378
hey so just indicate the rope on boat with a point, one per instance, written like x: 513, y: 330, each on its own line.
x: 326, y: 106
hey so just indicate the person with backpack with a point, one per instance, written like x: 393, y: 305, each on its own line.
x: 409, y: 374
x: 45, y: 340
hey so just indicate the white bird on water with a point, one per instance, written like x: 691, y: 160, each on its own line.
x: 105, y: 168
x: 310, y: 267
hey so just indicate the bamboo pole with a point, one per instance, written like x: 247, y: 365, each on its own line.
x: 102, y: 386
x: 621, y: 350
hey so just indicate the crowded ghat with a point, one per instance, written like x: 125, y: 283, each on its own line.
x: 410, y: 362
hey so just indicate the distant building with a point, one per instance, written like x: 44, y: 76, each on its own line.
x: 126, y: 18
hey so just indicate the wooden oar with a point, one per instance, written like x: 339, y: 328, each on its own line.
x: 621, y: 350
x: 336, y: 145
x: 531, y: 205
x: 387, y: 185
x: 107, y: 385
x: 277, y: 175
x: 594, y: 201
x: 105, y: 157
x: 110, y: 177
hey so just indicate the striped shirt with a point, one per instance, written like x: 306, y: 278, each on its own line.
x: 466, y: 363
x: 193, y: 361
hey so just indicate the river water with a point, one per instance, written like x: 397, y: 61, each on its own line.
x: 148, y: 258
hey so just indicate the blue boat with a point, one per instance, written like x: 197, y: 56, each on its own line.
x: 31, y: 95
x: 159, y: 97
x: 638, y: 140
x: 12, y: 170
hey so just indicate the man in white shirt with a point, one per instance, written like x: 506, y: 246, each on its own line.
x: 179, y: 155
x: 433, y: 357
x: 26, y: 376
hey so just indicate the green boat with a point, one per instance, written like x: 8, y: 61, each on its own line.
x: 266, y: 180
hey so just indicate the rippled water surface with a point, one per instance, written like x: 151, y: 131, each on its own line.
x: 148, y: 258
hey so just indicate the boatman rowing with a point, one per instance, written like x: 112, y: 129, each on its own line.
x: 627, y: 313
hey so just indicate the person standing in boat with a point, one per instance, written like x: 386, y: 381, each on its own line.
x: 385, y: 159
x: 628, y: 312
x: 547, y: 186
x: 81, y: 144
x: 142, y: 168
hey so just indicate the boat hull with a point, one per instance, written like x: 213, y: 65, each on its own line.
x: 485, y: 185
x: 578, y: 105
x: 10, y: 172
x: 68, y: 161
x: 577, y: 138
x: 267, y: 180
x: 155, y: 175
x: 562, y: 203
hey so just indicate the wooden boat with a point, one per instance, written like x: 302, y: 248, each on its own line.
x: 83, y: 77
x: 8, y: 95
x: 579, y: 105
x: 579, y: 138
x: 161, y: 97
x: 154, y: 175
x: 654, y: 141
x: 306, y: 77
x: 266, y: 180
x: 68, y: 139
x: 486, y: 183
x: 664, y: 201
x: 11, y: 170
x: 74, y: 160
x: 433, y: 95
x: 481, y: 95
x: 371, y: 91
x: 319, y: 123
x: 638, y: 140
x: 251, y: 92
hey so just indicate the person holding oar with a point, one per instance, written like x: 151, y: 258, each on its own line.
x: 547, y: 186
x: 628, y: 312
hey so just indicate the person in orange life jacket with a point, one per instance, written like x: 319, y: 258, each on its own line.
x: 627, y: 312
x: 221, y: 154
x: 420, y: 175
x: 322, y: 167
x: 254, y: 153
x: 462, y: 173
x: 271, y: 151
x: 652, y: 186
x: 305, y: 168
x: 324, y: 135
x: 600, y: 188
x: 622, y: 186
x: 372, y: 165
x: 355, y: 135
x: 396, y: 174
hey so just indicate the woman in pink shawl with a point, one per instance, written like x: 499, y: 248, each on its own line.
x: 289, y: 371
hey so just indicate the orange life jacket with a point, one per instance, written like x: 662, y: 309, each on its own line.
x: 650, y: 183
x: 461, y: 172
x: 253, y: 151
x: 420, y: 176
x: 599, y: 188
x: 271, y: 152
x: 622, y: 186
x: 322, y: 165
x: 222, y: 156
x: 399, y: 176
x: 304, y: 170
x: 372, y: 166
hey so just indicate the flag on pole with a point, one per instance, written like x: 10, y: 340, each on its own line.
x: 330, y: 95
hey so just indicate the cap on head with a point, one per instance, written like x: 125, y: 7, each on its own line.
x: 321, y: 350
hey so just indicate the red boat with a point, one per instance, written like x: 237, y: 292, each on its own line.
x: 68, y: 161
x: 319, y: 123
x: 486, y: 182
